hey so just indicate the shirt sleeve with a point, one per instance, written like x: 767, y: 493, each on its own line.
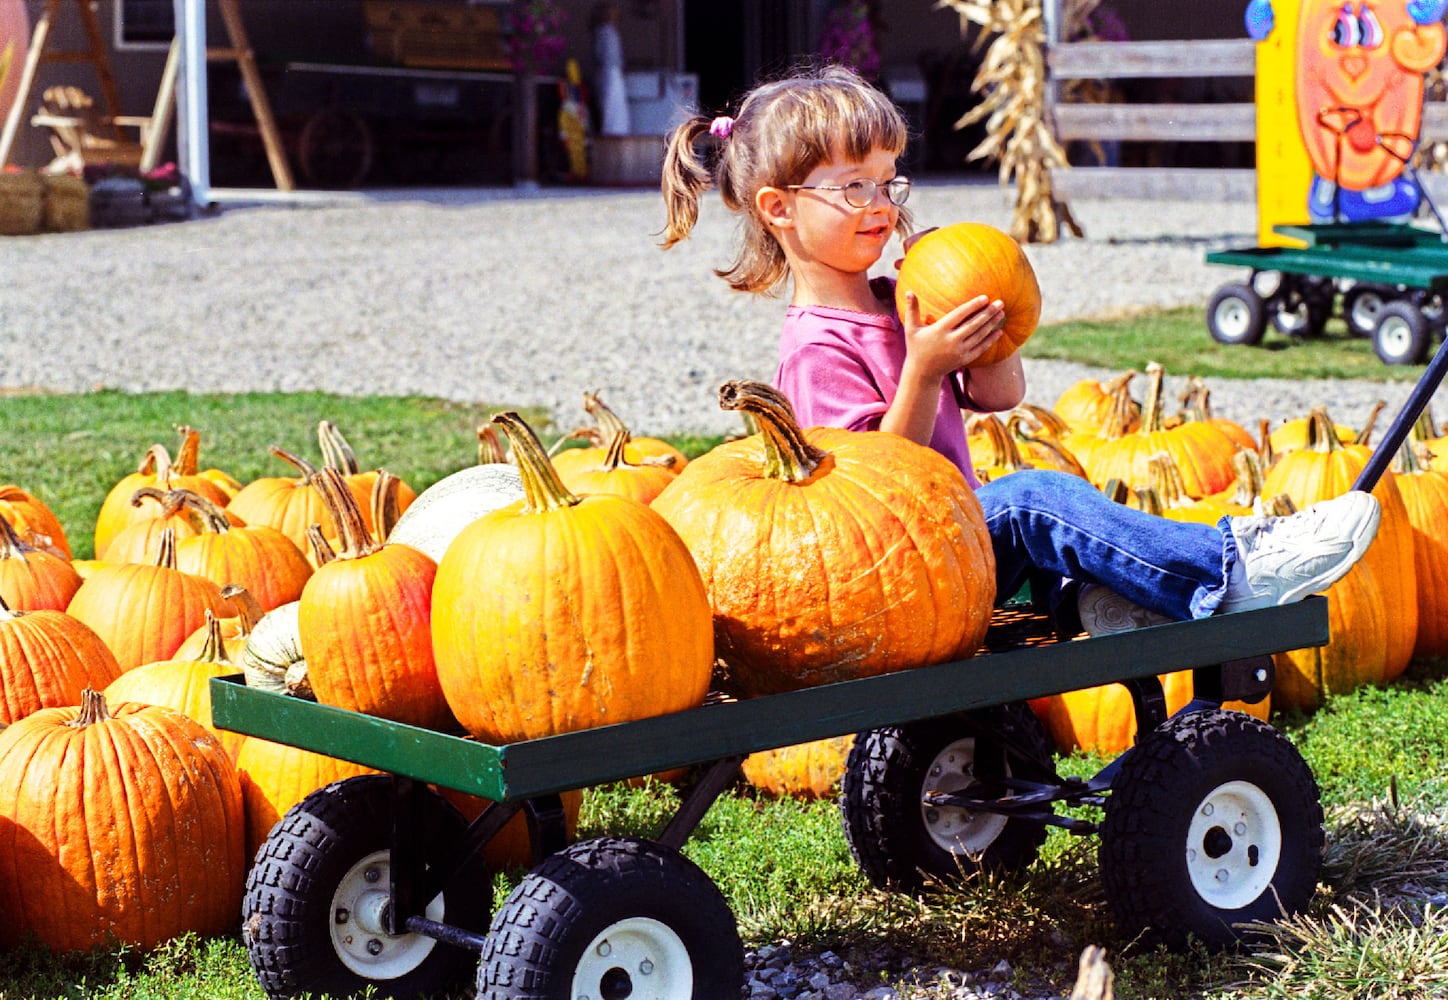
x: 829, y: 387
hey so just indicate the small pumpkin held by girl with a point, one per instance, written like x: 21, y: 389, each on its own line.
x: 809, y: 163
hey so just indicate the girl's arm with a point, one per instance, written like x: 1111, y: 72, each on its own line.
x: 997, y: 387
x: 933, y: 351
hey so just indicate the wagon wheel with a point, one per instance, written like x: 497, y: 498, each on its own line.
x: 1402, y: 335
x: 900, y: 841
x: 314, y: 913
x: 336, y: 148
x: 1213, y: 820
x: 613, y: 917
x: 1361, y: 305
x: 1236, y: 314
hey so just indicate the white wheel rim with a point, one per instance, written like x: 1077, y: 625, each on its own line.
x: 1394, y: 336
x: 1233, y: 318
x: 1233, y: 845
x: 358, y: 924
x: 952, y: 829
x: 1365, y: 309
x: 636, y: 958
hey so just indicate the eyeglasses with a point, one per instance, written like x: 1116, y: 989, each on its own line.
x: 861, y: 193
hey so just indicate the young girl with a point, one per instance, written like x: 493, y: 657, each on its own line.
x: 809, y: 163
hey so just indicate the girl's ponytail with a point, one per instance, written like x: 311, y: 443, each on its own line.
x: 685, y: 178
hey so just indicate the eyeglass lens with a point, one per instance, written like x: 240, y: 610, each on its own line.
x: 861, y: 193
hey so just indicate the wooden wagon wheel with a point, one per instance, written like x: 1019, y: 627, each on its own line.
x: 336, y: 148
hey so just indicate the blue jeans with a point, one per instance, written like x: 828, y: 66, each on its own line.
x: 1053, y: 523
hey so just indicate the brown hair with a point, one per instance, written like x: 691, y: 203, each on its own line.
x: 782, y: 131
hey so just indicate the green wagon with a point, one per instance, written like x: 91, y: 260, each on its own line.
x: 1390, y: 280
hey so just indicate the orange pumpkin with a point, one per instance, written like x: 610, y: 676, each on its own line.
x: 637, y: 450
x: 804, y: 771
x: 261, y: 559
x: 364, y: 621
x: 1103, y: 720
x: 993, y: 449
x: 613, y: 625
x: 235, y: 631
x: 1197, y: 405
x: 614, y: 474
x: 949, y: 266
x: 275, y: 777
x: 511, y: 846
x: 831, y: 554
x: 144, y: 612
x: 337, y: 454
x: 288, y: 504
x: 1201, y: 451
x: 156, y: 469
x: 1373, y: 610
x: 46, y: 659
x: 33, y: 579
x: 34, y: 521
x: 1087, y: 405
x: 123, y: 825
x: 1041, y: 434
x: 182, y: 683
x: 1425, y: 496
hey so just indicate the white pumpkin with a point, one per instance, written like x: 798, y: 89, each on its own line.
x: 449, y: 505
x: 272, y: 657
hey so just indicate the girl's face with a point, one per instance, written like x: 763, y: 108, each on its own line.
x: 828, y: 230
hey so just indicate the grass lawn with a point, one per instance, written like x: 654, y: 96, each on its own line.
x: 1380, y: 755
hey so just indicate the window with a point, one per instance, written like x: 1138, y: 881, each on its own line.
x: 144, y: 24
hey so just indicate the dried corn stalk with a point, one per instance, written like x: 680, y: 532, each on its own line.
x: 1012, y: 80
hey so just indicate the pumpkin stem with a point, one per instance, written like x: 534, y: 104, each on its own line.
x: 543, y: 490
x: 490, y: 447
x: 248, y: 608
x: 787, y: 455
x: 157, y: 462
x: 352, y: 531
x: 336, y: 452
x: 1249, y: 468
x: 1151, y: 409
x: 1124, y: 415
x: 1264, y: 435
x: 1412, y: 458
x: 613, y: 457
x: 1279, y: 506
x: 592, y: 435
x: 1116, y: 491
x: 321, y: 548
x: 213, y: 518
x: 1321, y: 432
x: 608, y: 421
x: 188, y: 456
x: 213, y: 650
x: 1149, y: 500
x: 12, y: 546
x: 1364, y: 435
x: 1047, y: 422
x: 295, y: 461
x: 92, y: 709
x: 386, y: 508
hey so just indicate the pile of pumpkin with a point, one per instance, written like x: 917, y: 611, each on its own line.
x: 533, y: 594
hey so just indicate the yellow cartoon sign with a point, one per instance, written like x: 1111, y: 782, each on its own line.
x: 1357, y: 79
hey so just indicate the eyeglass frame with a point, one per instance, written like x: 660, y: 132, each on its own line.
x: 863, y: 182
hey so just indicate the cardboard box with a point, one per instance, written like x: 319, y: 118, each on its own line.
x: 435, y: 35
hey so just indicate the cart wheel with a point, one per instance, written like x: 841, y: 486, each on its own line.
x: 313, y: 914
x: 1361, y: 305
x: 1236, y: 315
x: 901, y: 843
x: 1401, y: 336
x: 613, y: 917
x: 1213, y: 820
x: 336, y: 148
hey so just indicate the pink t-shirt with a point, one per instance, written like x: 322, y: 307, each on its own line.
x: 840, y: 368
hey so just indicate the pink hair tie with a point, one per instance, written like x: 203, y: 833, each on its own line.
x: 721, y: 127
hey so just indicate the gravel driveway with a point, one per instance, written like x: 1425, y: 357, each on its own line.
x: 528, y: 298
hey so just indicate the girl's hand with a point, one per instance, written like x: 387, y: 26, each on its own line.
x: 953, y: 341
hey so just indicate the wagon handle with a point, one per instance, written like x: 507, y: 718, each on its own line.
x: 1403, y: 423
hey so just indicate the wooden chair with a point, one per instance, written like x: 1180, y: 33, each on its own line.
x: 81, y: 136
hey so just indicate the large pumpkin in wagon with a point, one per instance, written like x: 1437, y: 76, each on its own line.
x: 829, y: 554
x: 950, y: 266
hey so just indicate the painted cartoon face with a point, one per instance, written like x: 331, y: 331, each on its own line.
x: 1360, y: 66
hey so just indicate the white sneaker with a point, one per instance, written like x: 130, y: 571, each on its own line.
x: 1286, y: 558
x: 1103, y: 611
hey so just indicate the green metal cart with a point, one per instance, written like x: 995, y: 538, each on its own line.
x: 1389, y: 278
x: 1211, y: 820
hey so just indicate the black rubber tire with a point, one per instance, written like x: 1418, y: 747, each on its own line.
x: 1236, y: 314
x: 1402, y: 335
x: 287, y: 912
x: 1161, y: 838
x: 888, y: 771
x: 1301, y: 318
x: 650, y: 901
x: 1361, y: 305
